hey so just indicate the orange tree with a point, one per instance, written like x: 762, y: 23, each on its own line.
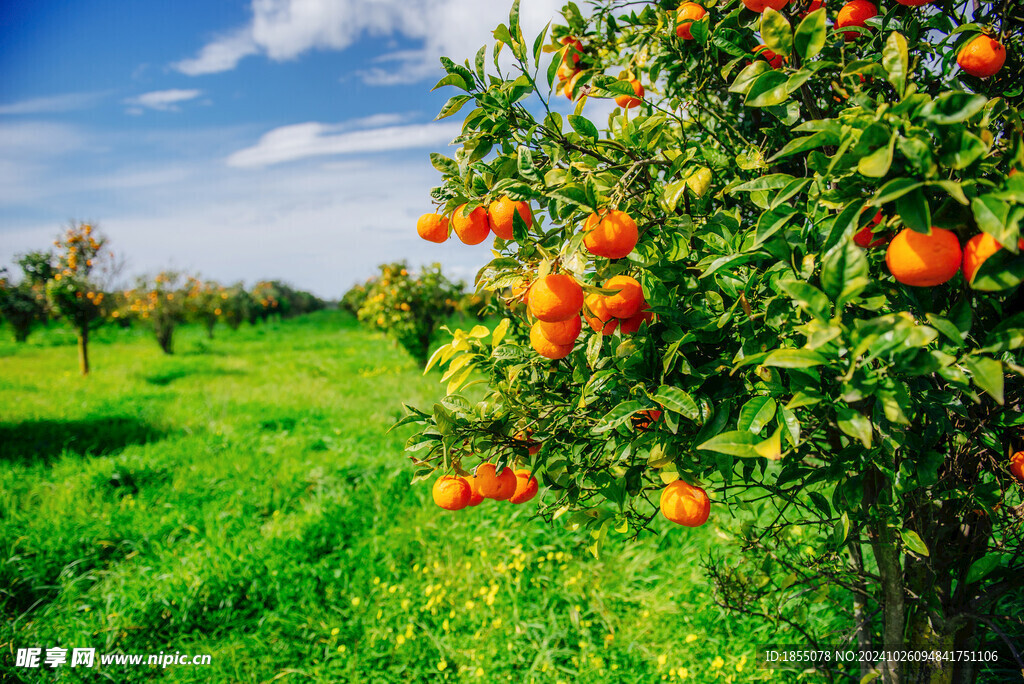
x: 237, y: 306
x: 409, y: 307
x: 848, y: 400
x: 161, y: 303
x: 75, y: 292
x: 24, y: 304
x: 205, y: 302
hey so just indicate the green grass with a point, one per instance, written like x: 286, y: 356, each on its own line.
x: 241, y: 499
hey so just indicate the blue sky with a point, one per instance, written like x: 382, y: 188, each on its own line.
x: 237, y: 139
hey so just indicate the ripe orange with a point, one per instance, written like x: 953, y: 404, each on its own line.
x: 762, y: 5
x: 685, y: 504
x: 773, y: 59
x: 432, y: 227
x: 561, y: 332
x: 1017, y: 465
x: 627, y: 102
x: 500, y: 214
x: 570, y: 85
x: 815, y: 5
x: 982, y: 57
x: 855, y: 13
x: 546, y: 347
x: 612, y: 235
x: 629, y: 298
x: 493, y: 485
x: 923, y: 260
x: 532, y: 447
x: 644, y: 419
x: 978, y: 249
x: 471, y: 228
x: 526, y: 487
x: 555, y: 297
x: 866, y: 238
x: 601, y: 320
x: 575, y: 50
x: 565, y: 71
x: 451, y: 493
x: 633, y: 323
x: 475, y: 497
x: 688, y: 13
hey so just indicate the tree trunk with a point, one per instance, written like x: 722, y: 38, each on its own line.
x: 83, y: 349
x: 861, y: 619
x: 887, y: 556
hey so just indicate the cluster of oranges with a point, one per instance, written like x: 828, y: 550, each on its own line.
x: 473, y: 227
x: 453, y: 493
x: 626, y: 309
x: 570, y: 70
x: 982, y: 56
x: 928, y: 260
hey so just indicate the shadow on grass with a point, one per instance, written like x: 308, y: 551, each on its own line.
x: 164, y: 378
x: 46, y: 440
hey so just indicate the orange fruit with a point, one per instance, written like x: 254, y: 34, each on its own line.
x: 494, y: 485
x: 978, y: 249
x: 865, y: 237
x: 432, y: 227
x: 982, y: 57
x: 475, y: 497
x: 815, y: 5
x: 575, y: 50
x: 627, y: 102
x: 633, y: 323
x: 546, y: 347
x: 471, y: 228
x: 451, y: 493
x: 773, y: 59
x: 526, y: 487
x: 561, y: 332
x: 762, y: 5
x: 500, y: 213
x: 685, y: 504
x: 629, y: 298
x: 923, y: 260
x: 612, y: 235
x: 855, y: 13
x: 555, y: 297
x: 1017, y: 465
x: 532, y: 447
x: 688, y: 13
x: 644, y: 419
x: 601, y: 320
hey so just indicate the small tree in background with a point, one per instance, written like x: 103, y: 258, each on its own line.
x: 409, y: 308
x: 24, y: 304
x: 75, y: 292
x: 161, y: 304
x: 237, y: 306
x: 205, y: 303
x: 353, y: 300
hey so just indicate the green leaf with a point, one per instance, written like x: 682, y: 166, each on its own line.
x: 453, y: 80
x: 844, y: 272
x: 583, y: 126
x: 776, y: 32
x: 794, y: 358
x: 756, y: 413
x: 773, y: 181
x: 953, y: 107
x: 444, y: 164
x: 769, y: 89
x: 572, y: 194
x: 808, y: 297
x: 672, y: 193
x: 914, y: 542
x: 699, y: 181
x: 896, y: 60
x: 675, y: 399
x: 750, y: 73
x: 524, y: 163
x: 617, y: 416
x: 982, y: 567
x: 914, y: 211
x: 855, y: 424
x: 735, y: 443
x: 987, y: 374
x: 499, y: 332
x: 876, y: 164
x: 453, y: 105
x: 894, y: 189
x: 810, y: 35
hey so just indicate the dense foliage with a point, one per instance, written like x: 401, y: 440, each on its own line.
x: 830, y: 408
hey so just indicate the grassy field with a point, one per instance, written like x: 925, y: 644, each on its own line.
x: 241, y: 499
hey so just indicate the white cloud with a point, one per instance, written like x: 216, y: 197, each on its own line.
x: 311, y: 139
x: 161, y: 100
x: 285, y: 29
x: 53, y: 103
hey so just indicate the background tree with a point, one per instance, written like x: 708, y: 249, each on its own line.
x: 204, y: 302
x: 410, y: 307
x: 236, y: 306
x: 76, y: 291
x: 851, y: 408
x: 160, y: 302
x: 24, y: 304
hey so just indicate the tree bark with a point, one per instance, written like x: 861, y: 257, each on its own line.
x: 83, y: 349
x: 860, y: 617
